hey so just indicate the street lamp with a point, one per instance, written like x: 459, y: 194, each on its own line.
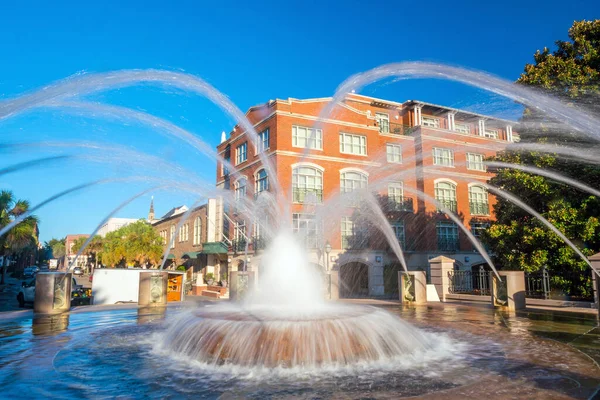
x: 327, y: 251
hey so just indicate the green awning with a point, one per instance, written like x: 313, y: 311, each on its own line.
x: 171, y: 256
x: 214, y: 248
x: 191, y: 254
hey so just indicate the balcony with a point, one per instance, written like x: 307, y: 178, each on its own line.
x: 400, y: 205
x: 238, y: 245
x: 447, y: 244
x: 355, y: 242
x: 259, y: 243
x: 479, y: 208
x: 394, y: 129
x: 300, y: 195
x: 448, y: 204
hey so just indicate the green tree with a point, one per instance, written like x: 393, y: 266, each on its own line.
x: 134, y: 244
x: 23, y: 236
x: 93, y: 249
x: 519, y: 241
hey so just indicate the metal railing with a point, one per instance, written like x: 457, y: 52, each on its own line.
x: 395, y: 128
x: 301, y: 195
x: 354, y: 242
x: 479, y: 208
x: 400, y: 205
x: 259, y: 243
x: 238, y: 245
x: 445, y: 244
x: 448, y: 204
x: 470, y: 282
x: 537, y: 284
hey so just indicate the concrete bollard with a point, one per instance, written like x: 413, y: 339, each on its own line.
x: 510, y: 293
x: 440, y: 267
x: 412, y: 287
x: 153, y: 288
x: 52, y: 293
x: 240, y: 283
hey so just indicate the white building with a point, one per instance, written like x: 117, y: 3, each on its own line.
x: 115, y: 223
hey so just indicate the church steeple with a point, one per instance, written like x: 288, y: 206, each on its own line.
x: 151, y: 212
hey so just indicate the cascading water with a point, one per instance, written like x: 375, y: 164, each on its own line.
x: 286, y: 323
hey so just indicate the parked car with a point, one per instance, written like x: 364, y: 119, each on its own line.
x: 30, y: 272
x: 77, y: 271
x: 27, y: 293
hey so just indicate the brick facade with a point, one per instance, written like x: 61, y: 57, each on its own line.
x: 418, y: 128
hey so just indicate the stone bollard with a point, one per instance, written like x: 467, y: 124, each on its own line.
x: 412, y: 287
x: 334, y: 285
x: 153, y: 288
x: 595, y: 260
x: 440, y: 267
x: 52, y: 293
x: 510, y: 292
x: 240, y: 283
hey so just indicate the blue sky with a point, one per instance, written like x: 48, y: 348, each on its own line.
x: 252, y: 52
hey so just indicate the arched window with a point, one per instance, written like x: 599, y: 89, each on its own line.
x: 262, y: 182
x: 478, y: 200
x: 307, y: 182
x: 197, y: 231
x: 350, y: 181
x: 445, y: 194
x: 240, y: 189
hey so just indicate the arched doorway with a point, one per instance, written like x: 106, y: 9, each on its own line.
x: 354, y: 280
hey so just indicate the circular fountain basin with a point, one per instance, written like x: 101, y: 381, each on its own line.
x: 327, y: 335
x: 476, y: 353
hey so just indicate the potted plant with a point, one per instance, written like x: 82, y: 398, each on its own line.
x: 209, y: 278
x: 224, y: 280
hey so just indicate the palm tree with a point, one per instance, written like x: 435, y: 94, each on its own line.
x: 23, y: 235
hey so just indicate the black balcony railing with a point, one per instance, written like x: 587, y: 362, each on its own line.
x: 259, y: 243
x: 448, y: 204
x: 355, y: 242
x: 394, y: 128
x: 447, y: 244
x: 479, y: 208
x: 238, y: 245
x: 400, y: 205
x: 301, y: 195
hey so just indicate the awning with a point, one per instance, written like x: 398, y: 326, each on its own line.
x: 191, y: 254
x: 171, y: 256
x: 214, y: 248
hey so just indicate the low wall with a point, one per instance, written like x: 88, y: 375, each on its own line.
x: 530, y: 302
x: 113, y: 285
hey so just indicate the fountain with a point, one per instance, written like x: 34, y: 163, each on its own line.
x: 281, y: 338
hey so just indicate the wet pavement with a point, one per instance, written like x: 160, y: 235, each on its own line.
x: 108, y: 351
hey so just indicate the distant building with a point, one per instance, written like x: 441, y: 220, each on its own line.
x: 197, y: 245
x: 115, y: 223
x: 82, y: 260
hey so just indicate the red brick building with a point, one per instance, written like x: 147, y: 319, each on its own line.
x: 393, y: 149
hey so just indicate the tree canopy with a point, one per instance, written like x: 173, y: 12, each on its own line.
x: 135, y: 244
x: 518, y: 240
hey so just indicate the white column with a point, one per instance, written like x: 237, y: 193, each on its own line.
x: 509, y: 135
x: 417, y: 120
x: 451, y: 125
x: 481, y: 127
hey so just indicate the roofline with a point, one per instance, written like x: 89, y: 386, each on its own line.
x: 459, y: 111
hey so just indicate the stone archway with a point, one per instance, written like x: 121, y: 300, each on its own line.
x: 354, y: 280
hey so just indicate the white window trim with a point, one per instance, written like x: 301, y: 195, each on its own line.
x: 306, y: 147
x: 358, y: 135
x: 423, y: 117
x: 445, y: 149
x: 482, y: 162
x: 386, y: 153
